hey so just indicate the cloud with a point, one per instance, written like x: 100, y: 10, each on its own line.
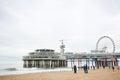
x: 27, y: 25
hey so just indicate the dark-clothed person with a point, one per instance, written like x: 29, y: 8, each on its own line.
x: 85, y: 69
x: 75, y: 69
x: 113, y: 68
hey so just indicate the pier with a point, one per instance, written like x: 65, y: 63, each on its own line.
x: 48, y: 58
x: 96, y: 60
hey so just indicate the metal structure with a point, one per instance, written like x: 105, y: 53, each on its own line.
x: 109, y: 39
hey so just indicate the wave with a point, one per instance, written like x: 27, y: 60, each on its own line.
x: 11, y: 69
x: 29, y: 70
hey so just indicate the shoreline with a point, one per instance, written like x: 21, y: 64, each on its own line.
x: 100, y: 74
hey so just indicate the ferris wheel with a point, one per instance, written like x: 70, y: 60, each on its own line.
x: 102, y: 46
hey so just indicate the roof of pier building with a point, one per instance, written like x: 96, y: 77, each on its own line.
x: 44, y: 53
x: 44, y: 50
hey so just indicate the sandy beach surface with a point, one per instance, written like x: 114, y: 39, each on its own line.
x: 98, y: 74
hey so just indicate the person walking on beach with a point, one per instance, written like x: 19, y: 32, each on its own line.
x: 85, y: 69
x: 93, y: 67
x: 103, y: 66
x: 113, y: 68
x: 75, y: 69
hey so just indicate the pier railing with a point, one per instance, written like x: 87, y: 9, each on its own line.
x: 109, y: 55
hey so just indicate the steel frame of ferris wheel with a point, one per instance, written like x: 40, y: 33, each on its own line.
x: 109, y: 39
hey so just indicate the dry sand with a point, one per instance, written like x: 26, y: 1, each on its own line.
x: 98, y: 74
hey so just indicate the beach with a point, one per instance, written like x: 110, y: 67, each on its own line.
x: 98, y: 74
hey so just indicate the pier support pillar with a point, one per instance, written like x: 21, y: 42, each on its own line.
x: 50, y: 64
x: 33, y: 63
x: 43, y: 64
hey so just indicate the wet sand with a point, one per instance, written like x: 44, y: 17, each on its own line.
x: 98, y: 74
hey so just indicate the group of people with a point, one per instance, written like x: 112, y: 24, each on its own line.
x: 85, y: 68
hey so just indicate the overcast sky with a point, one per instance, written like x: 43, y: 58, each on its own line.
x: 26, y: 25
